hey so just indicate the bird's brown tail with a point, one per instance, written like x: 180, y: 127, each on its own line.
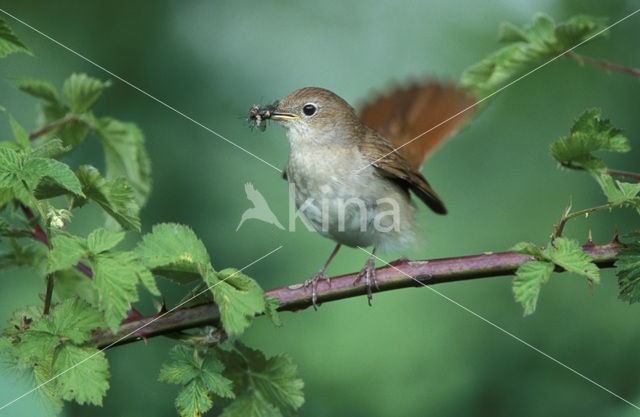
x: 420, y: 117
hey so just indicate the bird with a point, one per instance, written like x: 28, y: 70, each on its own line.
x: 260, y: 209
x: 352, y: 176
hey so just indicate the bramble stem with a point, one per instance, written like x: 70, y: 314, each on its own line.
x: 402, y: 274
x: 53, y: 125
x: 604, y: 64
x: 558, y: 228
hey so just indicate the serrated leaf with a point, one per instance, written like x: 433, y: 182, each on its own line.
x: 37, y: 168
x: 628, y: 272
x: 200, y: 372
x: 116, y: 284
x: 569, y: 255
x: 251, y: 405
x: 528, y: 248
x: 511, y: 33
x: 74, y: 319
x: 9, y: 42
x: 82, y: 91
x: 31, y: 375
x: 628, y: 190
x: 271, y: 310
x: 182, y: 367
x: 101, y: 240
x: 10, y: 169
x: 238, y: 297
x: 527, y: 47
x: 51, y: 148
x: 529, y: 279
x: 126, y: 155
x: 83, y: 373
x: 115, y: 197
x: 35, y: 345
x: 21, y: 137
x: 275, y: 378
x: 66, y: 252
x: 37, y: 88
x: 71, y: 283
x: 192, y: 399
x: 174, y: 251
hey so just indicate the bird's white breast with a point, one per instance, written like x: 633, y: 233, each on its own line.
x: 346, y: 203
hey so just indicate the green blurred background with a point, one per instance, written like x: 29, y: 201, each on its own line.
x: 413, y: 353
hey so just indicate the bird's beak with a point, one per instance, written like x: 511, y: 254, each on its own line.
x: 278, y: 115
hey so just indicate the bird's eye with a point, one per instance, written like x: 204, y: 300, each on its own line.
x: 309, y: 109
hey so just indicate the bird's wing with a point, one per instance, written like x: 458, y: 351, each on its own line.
x: 407, y: 113
x: 390, y: 164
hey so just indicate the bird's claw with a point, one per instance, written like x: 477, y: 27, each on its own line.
x: 313, y: 281
x: 369, y: 275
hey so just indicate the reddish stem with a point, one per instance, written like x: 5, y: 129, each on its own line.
x: 604, y: 64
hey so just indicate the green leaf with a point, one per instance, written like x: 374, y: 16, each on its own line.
x: 46, y: 398
x: 174, y: 251
x: 37, y: 88
x: 251, y: 405
x: 74, y: 319
x: 527, y: 47
x: 528, y: 248
x: 74, y: 131
x: 115, y: 277
x: 192, y: 399
x: 115, y: 197
x: 275, y: 379
x: 9, y: 42
x: 101, y: 240
x: 83, y: 373
x: 67, y: 251
x: 51, y: 148
x: 10, y: 168
x: 35, y: 345
x: 200, y: 372
x: 56, y: 171
x: 570, y: 256
x: 238, y: 297
x: 22, y: 138
x: 589, y: 134
x: 182, y: 367
x: 529, y: 279
x: 126, y: 156
x: 271, y: 310
x: 628, y: 272
x: 71, y: 283
x: 82, y: 91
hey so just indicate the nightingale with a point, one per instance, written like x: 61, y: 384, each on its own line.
x: 348, y: 180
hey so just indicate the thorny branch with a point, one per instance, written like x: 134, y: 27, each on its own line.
x: 296, y: 297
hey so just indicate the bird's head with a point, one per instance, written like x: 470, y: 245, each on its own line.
x: 317, y: 115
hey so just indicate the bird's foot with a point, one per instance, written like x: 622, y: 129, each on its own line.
x: 313, y: 281
x: 369, y: 275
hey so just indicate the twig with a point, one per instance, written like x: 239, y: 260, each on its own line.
x: 624, y: 174
x: 296, y: 297
x: 604, y: 64
x: 53, y: 125
x: 612, y: 172
x: 558, y: 228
